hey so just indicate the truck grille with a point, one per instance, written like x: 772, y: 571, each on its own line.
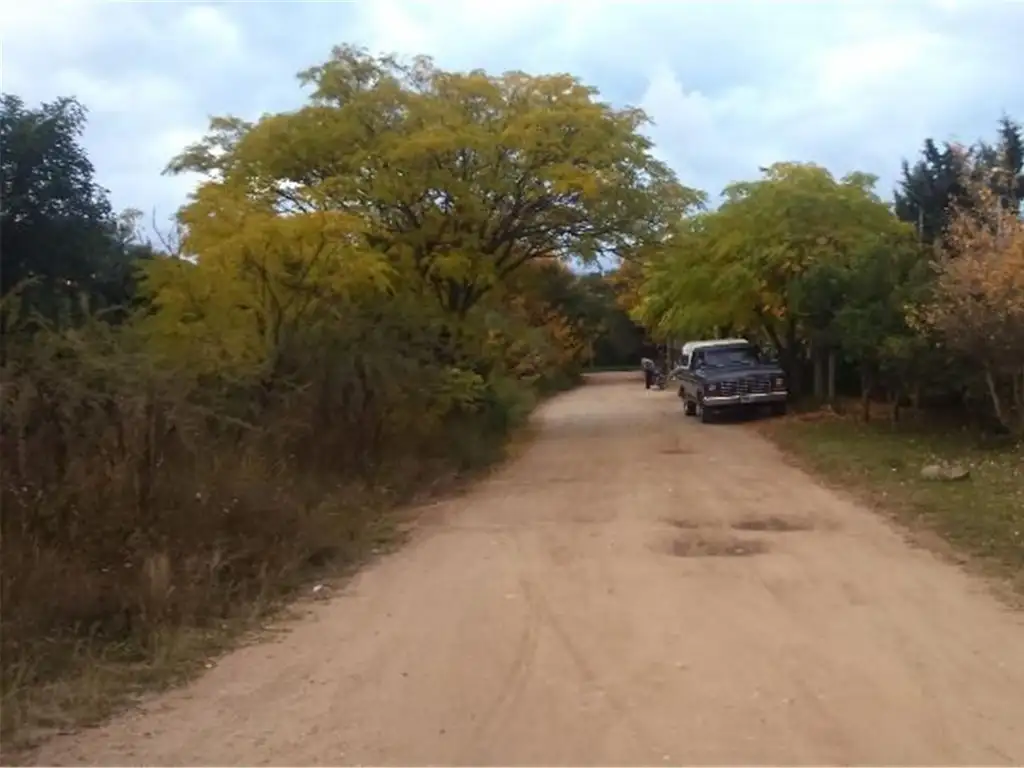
x: 750, y: 385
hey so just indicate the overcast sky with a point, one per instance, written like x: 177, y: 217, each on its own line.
x: 731, y: 84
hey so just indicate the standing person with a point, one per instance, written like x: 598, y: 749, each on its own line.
x: 648, y: 366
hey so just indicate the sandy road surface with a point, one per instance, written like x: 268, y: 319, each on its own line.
x: 592, y: 603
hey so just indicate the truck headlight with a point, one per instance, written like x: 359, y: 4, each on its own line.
x: 713, y: 387
x: 778, y: 383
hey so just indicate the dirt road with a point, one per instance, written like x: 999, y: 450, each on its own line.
x: 635, y: 589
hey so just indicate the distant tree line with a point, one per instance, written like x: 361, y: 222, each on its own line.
x: 920, y: 301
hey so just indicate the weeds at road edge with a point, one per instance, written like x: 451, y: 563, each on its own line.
x: 979, y: 521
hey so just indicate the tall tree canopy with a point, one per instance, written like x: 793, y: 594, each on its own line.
x: 767, y: 261
x: 59, y: 240
x: 455, y: 178
x: 934, y: 185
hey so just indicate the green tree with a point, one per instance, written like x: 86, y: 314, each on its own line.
x: 614, y: 337
x: 767, y: 262
x: 456, y: 178
x: 880, y: 279
x: 934, y: 185
x: 1001, y: 166
x: 671, y: 293
x: 928, y: 188
x: 60, y: 243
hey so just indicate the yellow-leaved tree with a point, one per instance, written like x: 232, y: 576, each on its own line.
x: 978, y: 300
x: 257, y: 276
x: 457, y: 178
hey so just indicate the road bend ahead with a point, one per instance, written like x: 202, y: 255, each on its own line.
x: 636, y: 588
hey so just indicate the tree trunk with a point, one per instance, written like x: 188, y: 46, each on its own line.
x: 3, y: 336
x: 791, y: 362
x: 895, y: 414
x: 1018, y: 398
x: 819, y: 375
x: 146, y: 465
x: 789, y: 357
x: 997, y: 403
x: 831, y: 376
x: 325, y: 405
x: 865, y: 395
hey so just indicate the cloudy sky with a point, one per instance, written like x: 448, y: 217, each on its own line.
x: 731, y: 84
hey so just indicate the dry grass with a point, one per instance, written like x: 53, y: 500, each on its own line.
x: 111, y: 636
x: 81, y: 642
x: 150, y: 521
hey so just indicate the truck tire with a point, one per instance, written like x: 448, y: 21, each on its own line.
x: 704, y: 414
x: 689, y: 407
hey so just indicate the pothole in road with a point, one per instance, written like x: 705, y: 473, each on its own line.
x: 773, y: 524
x: 684, y: 525
x: 697, y: 546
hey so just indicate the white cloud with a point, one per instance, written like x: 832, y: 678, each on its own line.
x: 731, y: 84
x: 128, y: 94
x: 210, y: 30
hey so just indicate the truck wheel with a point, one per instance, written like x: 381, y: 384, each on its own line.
x: 689, y: 407
x: 779, y: 409
x: 702, y: 413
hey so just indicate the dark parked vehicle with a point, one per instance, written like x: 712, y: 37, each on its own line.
x: 728, y: 373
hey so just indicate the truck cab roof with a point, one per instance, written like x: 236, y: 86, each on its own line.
x: 690, y: 346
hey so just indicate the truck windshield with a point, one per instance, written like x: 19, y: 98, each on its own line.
x: 729, y: 356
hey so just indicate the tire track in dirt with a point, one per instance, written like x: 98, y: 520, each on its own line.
x: 515, y: 680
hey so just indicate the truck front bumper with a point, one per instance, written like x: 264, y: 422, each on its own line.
x: 753, y: 398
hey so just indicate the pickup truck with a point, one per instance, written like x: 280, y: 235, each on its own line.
x: 727, y: 373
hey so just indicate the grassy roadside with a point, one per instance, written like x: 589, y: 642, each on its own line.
x: 981, y: 517
x: 90, y: 680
